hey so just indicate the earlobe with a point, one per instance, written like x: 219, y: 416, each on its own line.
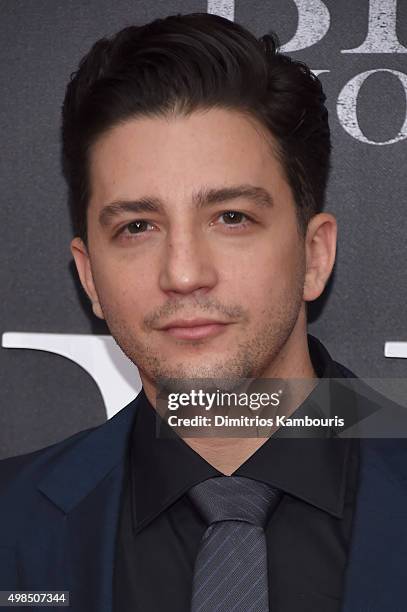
x: 97, y: 310
x: 320, y: 254
x: 82, y: 262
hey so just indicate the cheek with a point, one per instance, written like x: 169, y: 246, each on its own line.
x: 124, y: 287
x: 271, y: 273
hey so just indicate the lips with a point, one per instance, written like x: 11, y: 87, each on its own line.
x: 194, y: 329
x: 192, y: 323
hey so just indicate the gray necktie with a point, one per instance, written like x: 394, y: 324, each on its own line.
x: 230, y: 573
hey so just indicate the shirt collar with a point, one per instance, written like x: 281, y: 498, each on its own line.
x: 164, y: 468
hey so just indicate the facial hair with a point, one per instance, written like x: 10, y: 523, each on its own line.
x: 250, y: 357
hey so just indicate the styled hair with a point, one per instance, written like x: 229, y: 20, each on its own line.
x: 183, y: 63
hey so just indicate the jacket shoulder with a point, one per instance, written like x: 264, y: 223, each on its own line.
x: 12, y: 467
x: 19, y: 477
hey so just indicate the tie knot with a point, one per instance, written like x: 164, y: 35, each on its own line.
x: 234, y: 498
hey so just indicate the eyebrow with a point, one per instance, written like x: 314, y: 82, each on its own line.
x: 205, y: 197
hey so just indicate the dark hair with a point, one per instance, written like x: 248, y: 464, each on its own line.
x: 184, y: 63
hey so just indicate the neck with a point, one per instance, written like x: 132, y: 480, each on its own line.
x: 228, y: 454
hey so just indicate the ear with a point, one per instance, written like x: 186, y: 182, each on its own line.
x: 82, y: 261
x: 320, y: 247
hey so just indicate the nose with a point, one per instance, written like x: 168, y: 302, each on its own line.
x: 187, y: 265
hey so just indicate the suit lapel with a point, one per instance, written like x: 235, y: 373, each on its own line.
x: 375, y: 577
x: 376, y: 572
x: 92, y: 526
x: 85, y: 484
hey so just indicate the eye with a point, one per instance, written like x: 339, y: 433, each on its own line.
x: 235, y: 217
x: 134, y: 228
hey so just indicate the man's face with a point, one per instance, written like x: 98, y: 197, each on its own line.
x: 235, y: 260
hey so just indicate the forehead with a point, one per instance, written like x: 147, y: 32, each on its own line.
x: 170, y: 155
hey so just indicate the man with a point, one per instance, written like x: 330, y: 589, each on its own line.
x: 197, y: 159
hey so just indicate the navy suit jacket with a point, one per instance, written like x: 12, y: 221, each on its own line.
x: 59, y: 509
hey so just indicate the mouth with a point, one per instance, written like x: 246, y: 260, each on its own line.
x: 195, y: 332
